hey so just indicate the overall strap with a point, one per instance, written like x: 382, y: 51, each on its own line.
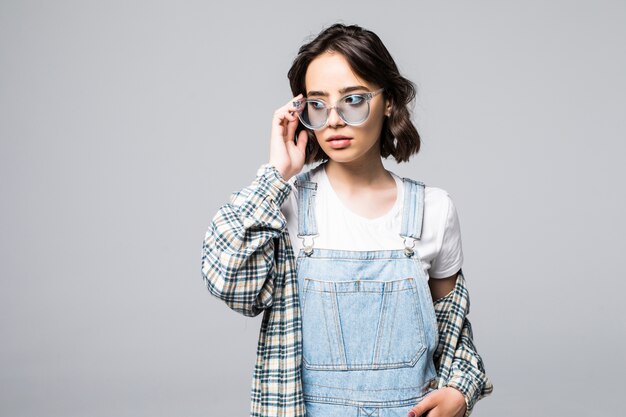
x: 412, y: 214
x: 307, y: 225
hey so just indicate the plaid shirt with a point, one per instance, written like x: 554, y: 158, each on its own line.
x: 248, y: 262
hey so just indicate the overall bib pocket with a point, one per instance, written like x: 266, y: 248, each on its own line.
x: 361, y: 324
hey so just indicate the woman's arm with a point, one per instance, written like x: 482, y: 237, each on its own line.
x: 238, y: 251
x: 238, y: 248
x: 465, y: 369
x: 440, y: 287
x: 462, y: 378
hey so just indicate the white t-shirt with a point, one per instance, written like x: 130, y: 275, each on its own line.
x: 439, y: 248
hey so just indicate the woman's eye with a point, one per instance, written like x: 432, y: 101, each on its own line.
x: 317, y: 105
x: 354, y: 99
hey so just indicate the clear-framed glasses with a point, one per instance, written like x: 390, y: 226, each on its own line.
x: 353, y: 109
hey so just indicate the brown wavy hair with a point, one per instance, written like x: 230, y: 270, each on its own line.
x: 369, y: 58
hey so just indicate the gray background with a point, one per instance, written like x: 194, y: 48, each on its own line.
x: 125, y: 125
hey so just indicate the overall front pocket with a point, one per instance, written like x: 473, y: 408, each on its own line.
x: 361, y: 324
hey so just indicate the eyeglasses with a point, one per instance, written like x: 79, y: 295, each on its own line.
x: 352, y: 109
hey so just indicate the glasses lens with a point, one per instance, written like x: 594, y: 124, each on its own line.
x: 313, y: 114
x: 354, y: 108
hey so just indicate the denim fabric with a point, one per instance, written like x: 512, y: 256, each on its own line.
x: 369, y: 329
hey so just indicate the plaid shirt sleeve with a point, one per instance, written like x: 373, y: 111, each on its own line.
x: 460, y: 366
x: 238, y: 249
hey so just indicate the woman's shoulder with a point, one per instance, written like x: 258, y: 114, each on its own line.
x: 438, y: 204
x: 433, y: 195
x: 436, y: 195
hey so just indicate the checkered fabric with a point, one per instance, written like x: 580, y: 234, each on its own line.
x: 248, y: 263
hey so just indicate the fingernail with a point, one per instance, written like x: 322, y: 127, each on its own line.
x: 411, y: 414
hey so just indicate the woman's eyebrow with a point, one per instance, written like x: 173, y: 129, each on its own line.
x: 343, y: 90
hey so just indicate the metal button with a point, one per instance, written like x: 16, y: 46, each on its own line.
x: 433, y: 384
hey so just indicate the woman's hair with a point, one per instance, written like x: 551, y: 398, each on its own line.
x: 369, y: 58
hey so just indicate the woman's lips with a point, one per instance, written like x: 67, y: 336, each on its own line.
x: 338, y: 143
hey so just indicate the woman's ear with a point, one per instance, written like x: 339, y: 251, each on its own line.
x: 388, y: 107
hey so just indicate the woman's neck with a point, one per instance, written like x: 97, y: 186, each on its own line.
x: 355, y: 175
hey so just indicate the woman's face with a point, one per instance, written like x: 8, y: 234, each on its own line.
x: 326, y: 76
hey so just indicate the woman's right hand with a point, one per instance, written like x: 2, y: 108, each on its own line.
x: 285, y: 155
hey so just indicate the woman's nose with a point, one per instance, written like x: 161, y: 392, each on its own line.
x: 333, y: 117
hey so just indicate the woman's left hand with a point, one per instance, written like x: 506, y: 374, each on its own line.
x: 444, y: 402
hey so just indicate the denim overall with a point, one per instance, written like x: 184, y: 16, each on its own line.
x: 369, y: 329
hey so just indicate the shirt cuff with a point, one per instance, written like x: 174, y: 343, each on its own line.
x: 276, y: 186
x: 468, y: 388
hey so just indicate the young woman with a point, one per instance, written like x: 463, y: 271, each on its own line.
x: 358, y: 270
